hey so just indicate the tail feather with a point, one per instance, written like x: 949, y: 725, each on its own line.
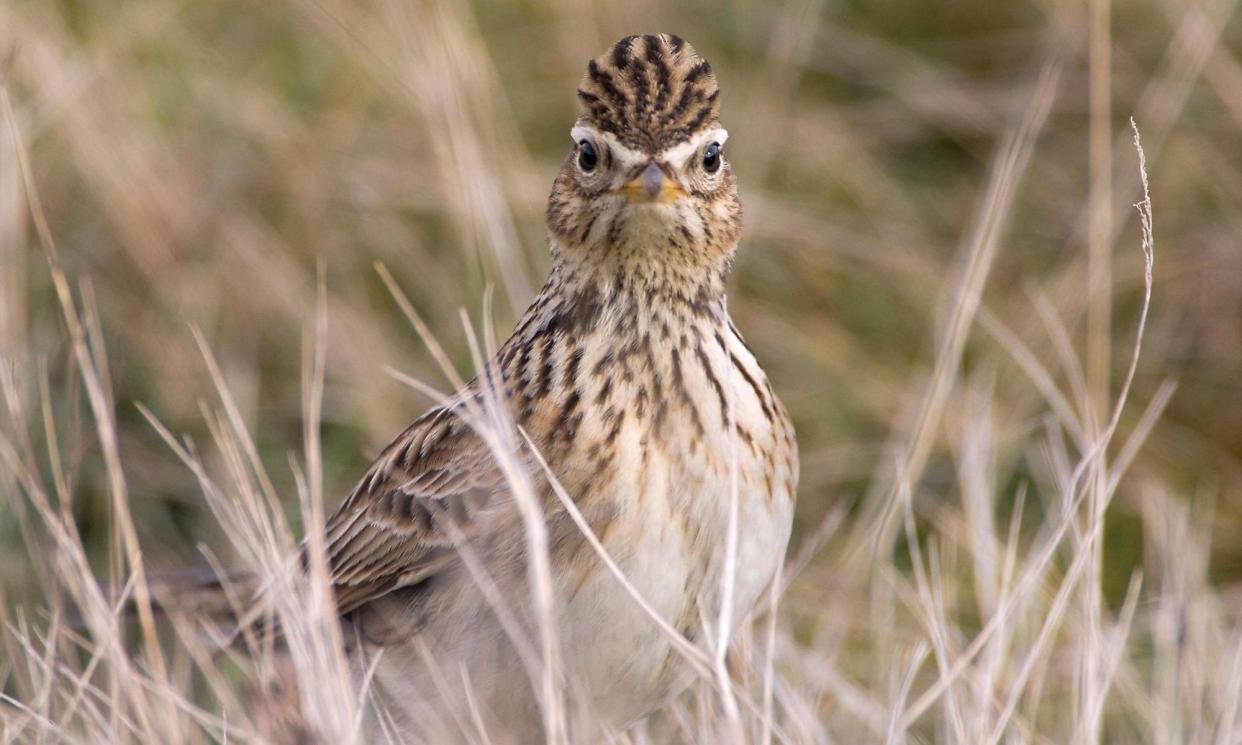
x: 224, y: 604
x: 202, y: 593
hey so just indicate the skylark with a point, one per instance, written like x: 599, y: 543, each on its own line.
x: 634, y: 386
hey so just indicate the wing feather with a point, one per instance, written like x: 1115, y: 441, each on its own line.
x: 390, y: 532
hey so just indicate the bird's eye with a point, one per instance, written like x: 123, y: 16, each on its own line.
x: 587, y: 157
x: 711, y: 158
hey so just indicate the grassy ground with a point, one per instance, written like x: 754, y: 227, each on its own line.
x: 943, y: 271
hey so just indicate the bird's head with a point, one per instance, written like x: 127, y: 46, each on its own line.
x: 647, y: 179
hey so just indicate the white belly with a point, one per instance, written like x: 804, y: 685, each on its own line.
x: 674, y: 548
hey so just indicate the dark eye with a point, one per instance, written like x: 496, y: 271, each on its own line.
x: 587, y: 157
x: 711, y: 158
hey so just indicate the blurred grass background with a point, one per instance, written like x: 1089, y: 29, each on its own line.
x: 198, y: 163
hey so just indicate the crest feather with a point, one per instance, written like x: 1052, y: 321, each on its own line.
x: 649, y: 91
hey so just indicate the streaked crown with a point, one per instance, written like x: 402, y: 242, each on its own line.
x: 650, y: 92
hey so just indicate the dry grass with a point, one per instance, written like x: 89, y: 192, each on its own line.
x: 1013, y: 526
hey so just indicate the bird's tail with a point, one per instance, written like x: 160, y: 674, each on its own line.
x: 204, y: 593
x: 219, y: 606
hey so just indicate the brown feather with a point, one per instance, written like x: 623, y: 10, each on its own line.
x: 650, y: 91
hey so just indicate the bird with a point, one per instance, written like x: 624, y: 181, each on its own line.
x: 626, y: 387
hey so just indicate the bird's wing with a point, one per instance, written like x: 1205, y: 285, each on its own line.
x: 421, y: 495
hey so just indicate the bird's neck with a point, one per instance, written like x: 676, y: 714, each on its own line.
x: 633, y: 295
x: 625, y: 337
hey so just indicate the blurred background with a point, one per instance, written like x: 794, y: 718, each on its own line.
x: 202, y: 164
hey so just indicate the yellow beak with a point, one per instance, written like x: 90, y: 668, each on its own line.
x: 652, y: 186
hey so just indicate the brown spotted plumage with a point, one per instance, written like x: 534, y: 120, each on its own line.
x: 650, y: 91
x: 632, y: 382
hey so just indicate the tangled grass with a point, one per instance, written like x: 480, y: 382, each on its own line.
x: 1020, y: 437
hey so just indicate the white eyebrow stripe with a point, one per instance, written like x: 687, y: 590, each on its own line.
x: 676, y: 156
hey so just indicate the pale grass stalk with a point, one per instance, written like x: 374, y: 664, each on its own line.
x: 53, y: 447
x: 385, y: 720
x: 896, y: 734
x: 769, y: 657
x: 1036, y: 565
x: 460, y: 726
x: 424, y: 333
x: 1035, y: 371
x: 306, y: 612
x: 1101, y: 484
x: 478, y: 571
x: 1059, y: 467
x: 73, y: 567
x: 1168, y: 623
x: 205, y: 665
x: 976, y: 263
x: 858, y: 702
x: 1094, y: 527
x: 1052, y: 622
x: 1233, y: 695
x: 691, y: 653
x: 493, y: 426
x: 975, y: 472
x: 703, y: 665
x: 539, y: 569
x: 492, y: 594
x: 331, y: 701
x: 1115, y: 639
x: 85, y: 356
x: 930, y: 615
x: 242, y: 433
x: 1142, y: 428
x: 1063, y: 345
x: 95, y: 700
x: 472, y: 706
x: 97, y: 656
x: 1095, y: 524
x: 813, y: 544
x: 995, y: 656
x: 47, y: 725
